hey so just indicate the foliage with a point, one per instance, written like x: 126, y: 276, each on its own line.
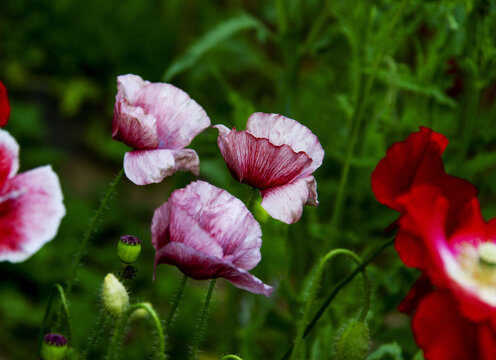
x: 309, y: 60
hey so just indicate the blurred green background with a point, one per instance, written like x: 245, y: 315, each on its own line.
x: 409, y: 63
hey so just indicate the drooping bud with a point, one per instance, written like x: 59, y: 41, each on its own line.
x: 128, y: 249
x: 115, y: 299
x: 54, y: 347
x: 352, y: 342
x: 139, y: 313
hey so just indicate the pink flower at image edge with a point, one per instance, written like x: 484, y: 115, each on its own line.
x: 278, y: 156
x: 31, y: 206
x: 158, y: 121
x: 208, y: 233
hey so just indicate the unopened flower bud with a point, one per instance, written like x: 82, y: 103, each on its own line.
x: 54, y: 347
x: 115, y: 299
x: 353, y: 341
x: 139, y: 313
x: 128, y: 249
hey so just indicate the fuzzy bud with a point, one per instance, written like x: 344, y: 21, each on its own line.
x: 128, y: 249
x: 115, y: 299
x: 54, y: 347
x: 352, y: 342
x: 139, y: 313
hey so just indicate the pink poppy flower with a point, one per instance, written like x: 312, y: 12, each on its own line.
x: 30, y: 204
x: 4, y: 105
x: 157, y: 120
x: 208, y: 233
x: 276, y: 155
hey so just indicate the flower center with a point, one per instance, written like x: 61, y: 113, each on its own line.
x: 487, y: 254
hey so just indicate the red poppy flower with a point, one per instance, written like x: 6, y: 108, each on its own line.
x: 4, y: 105
x: 158, y: 121
x: 442, y: 232
x: 276, y: 155
x: 30, y: 204
x: 208, y: 233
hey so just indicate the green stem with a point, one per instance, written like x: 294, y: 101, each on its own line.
x: 281, y: 16
x: 356, y: 121
x: 57, y: 288
x: 203, y: 321
x: 120, y: 326
x: 233, y: 357
x: 175, y: 302
x: 90, y: 230
x: 95, y: 333
x: 337, y: 289
x: 314, y: 290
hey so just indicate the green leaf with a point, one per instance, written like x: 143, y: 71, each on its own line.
x: 213, y: 38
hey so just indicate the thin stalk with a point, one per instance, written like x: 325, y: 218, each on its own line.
x: 364, y: 90
x: 337, y: 289
x: 281, y: 16
x: 175, y: 303
x: 90, y: 230
x: 314, y: 290
x: 56, y: 289
x: 95, y: 333
x: 120, y: 326
x: 203, y: 321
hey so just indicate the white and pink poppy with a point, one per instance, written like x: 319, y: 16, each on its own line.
x: 158, y: 121
x: 276, y: 155
x: 30, y: 204
x: 208, y: 233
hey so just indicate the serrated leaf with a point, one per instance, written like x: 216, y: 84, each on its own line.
x: 213, y: 38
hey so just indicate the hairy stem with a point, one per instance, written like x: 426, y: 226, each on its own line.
x: 202, y: 324
x: 56, y: 289
x: 175, y: 303
x: 95, y: 333
x: 314, y: 290
x: 231, y: 357
x: 120, y: 326
x: 337, y: 289
x: 90, y: 230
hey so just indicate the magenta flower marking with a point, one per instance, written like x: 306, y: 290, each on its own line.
x: 158, y: 121
x: 30, y: 204
x: 208, y: 233
x: 276, y: 155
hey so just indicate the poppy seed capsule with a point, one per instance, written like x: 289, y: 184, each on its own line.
x: 54, y: 347
x: 115, y: 299
x: 128, y: 249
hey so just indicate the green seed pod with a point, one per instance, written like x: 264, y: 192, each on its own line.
x: 352, y: 342
x: 128, y: 249
x: 54, y: 347
x: 115, y: 299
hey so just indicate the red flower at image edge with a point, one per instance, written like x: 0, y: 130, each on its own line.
x: 278, y: 156
x: 30, y: 204
x: 4, y: 105
x: 208, y: 233
x: 442, y: 233
x: 158, y: 121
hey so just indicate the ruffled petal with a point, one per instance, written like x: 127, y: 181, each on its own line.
x: 133, y: 127
x: 128, y: 87
x: 419, y: 290
x: 202, y: 266
x: 31, y: 208
x: 179, y: 118
x: 257, y: 162
x: 224, y: 217
x: 440, y: 330
x: 417, y: 161
x: 285, y: 203
x: 144, y: 167
x: 4, y: 105
x: 9, y: 157
x: 281, y: 130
